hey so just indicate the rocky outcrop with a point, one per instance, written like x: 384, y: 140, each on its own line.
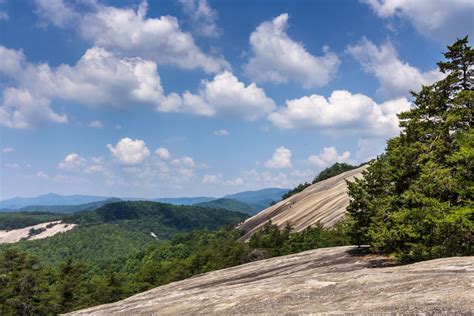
x: 324, y: 202
x: 324, y: 281
x: 44, y: 230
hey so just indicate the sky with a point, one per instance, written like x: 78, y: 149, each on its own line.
x: 207, y: 97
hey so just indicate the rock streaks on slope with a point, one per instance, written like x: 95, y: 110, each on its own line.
x: 323, y: 202
x: 51, y: 229
x: 325, y: 281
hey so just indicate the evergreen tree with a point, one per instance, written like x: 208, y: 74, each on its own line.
x: 415, y: 200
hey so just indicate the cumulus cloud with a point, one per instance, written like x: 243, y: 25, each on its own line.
x: 436, y: 19
x: 225, y: 95
x: 279, y: 59
x: 221, y: 132
x: 20, y: 109
x: 72, y: 162
x: 128, y: 32
x: 163, y: 153
x: 219, y: 179
x: 342, y: 111
x: 329, y: 156
x: 396, y: 78
x: 202, y: 16
x: 41, y: 174
x: 281, y: 159
x: 96, y: 124
x: 75, y: 163
x: 185, y: 161
x: 56, y: 12
x: 98, y: 78
x: 130, y: 151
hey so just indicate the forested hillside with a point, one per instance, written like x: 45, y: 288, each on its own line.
x: 231, y: 205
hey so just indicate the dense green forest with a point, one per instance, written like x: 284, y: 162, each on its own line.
x: 327, y: 173
x: 416, y: 200
x: 117, y: 230
x: 31, y: 287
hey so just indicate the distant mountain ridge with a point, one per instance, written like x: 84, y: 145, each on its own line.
x: 68, y: 208
x: 50, y: 199
x: 260, y: 199
x: 52, y: 202
x: 230, y: 205
x: 185, y: 200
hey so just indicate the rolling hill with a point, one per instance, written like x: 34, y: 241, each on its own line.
x: 119, y: 229
x: 324, y: 202
x: 231, y: 205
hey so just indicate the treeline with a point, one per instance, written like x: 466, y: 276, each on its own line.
x: 327, y: 173
x: 28, y: 287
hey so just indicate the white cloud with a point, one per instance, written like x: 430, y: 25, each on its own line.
x: 8, y: 149
x: 96, y: 124
x: 20, y: 109
x: 184, y: 161
x: 441, y: 20
x: 279, y: 59
x: 211, y: 179
x: 342, y: 111
x: 396, y: 78
x: 225, y: 95
x: 329, y: 156
x: 41, y: 174
x: 129, y: 151
x: 99, y: 78
x: 56, y: 12
x: 163, y: 153
x: 129, y: 32
x: 221, y: 132
x: 72, y: 162
x: 202, y: 16
x: 281, y: 159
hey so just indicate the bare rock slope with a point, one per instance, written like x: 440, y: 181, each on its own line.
x: 48, y: 229
x: 323, y: 202
x: 322, y: 281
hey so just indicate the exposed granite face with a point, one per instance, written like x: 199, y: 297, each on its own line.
x: 322, y: 281
x: 324, y: 202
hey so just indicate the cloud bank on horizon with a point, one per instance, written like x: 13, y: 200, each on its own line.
x: 197, y: 97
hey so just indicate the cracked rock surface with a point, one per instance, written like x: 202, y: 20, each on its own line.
x: 339, y: 280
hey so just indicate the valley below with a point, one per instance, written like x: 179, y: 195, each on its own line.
x: 338, y: 280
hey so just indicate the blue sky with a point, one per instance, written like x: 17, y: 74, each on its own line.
x: 196, y: 97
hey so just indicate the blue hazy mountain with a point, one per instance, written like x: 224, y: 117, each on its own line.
x: 184, y: 200
x: 50, y: 199
x: 68, y: 208
x: 259, y: 199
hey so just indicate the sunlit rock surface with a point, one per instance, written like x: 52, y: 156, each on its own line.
x: 324, y: 281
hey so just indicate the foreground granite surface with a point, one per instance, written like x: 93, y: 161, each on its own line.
x: 323, y: 281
